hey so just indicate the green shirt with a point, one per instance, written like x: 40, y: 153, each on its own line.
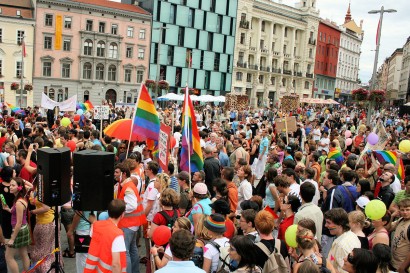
x: 401, y: 195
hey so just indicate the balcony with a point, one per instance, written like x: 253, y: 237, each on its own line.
x: 311, y: 41
x: 286, y: 55
x: 277, y: 70
x: 254, y: 67
x: 244, y: 24
x: 287, y: 72
x: 241, y: 64
x: 252, y: 48
x: 297, y: 74
x: 264, y: 68
x: 297, y: 57
x: 264, y: 51
x: 308, y: 75
x: 276, y: 53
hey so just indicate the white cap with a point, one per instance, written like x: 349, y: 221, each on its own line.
x: 362, y: 201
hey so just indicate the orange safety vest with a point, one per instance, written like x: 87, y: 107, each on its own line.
x: 137, y: 217
x: 99, y: 257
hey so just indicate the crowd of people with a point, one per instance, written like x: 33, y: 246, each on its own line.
x: 233, y: 216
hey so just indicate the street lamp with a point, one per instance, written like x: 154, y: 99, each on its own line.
x: 376, y: 55
x: 158, y: 54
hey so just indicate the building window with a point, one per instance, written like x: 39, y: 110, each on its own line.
x: 67, y: 44
x: 128, y: 52
x: 99, y: 72
x: 306, y: 85
x: 130, y: 32
x: 260, y: 78
x: 101, y: 27
x: 86, y: 95
x: 210, y: 41
x: 172, y: 14
x: 286, y: 32
x: 65, y: 73
x: 89, y: 25
x: 127, y: 75
x: 141, y: 53
x: 48, y: 42
x: 48, y: 20
x: 284, y: 49
x: 114, y: 29
x: 113, y: 51
x: 20, y: 36
x: 112, y: 73
x: 170, y: 55
x: 239, y: 76
x: 263, y: 26
x: 142, y: 34
x: 191, y: 18
x: 87, y: 71
x: 272, y: 80
x: 67, y: 22
x: 1, y: 67
x: 46, y: 69
x: 88, y: 47
x: 140, y: 76
x: 310, y: 53
x: 1, y: 35
x: 181, y: 35
x: 101, y: 49
x: 274, y: 29
x: 18, y: 69
x: 242, y: 40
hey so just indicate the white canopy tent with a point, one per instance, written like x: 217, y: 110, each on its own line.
x: 203, y: 98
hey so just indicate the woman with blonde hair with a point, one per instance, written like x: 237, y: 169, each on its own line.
x: 10, y: 148
x: 357, y: 221
x: 162, y: 182
x: 306, y: 244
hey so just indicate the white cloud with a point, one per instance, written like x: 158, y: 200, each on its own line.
x: 394, y: 28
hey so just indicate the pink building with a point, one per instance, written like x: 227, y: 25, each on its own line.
x: 95, y: 49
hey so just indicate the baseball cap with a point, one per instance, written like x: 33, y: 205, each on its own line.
x: 362, y: 201
x: 200, y: 188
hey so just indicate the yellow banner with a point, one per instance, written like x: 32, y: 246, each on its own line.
x: 59, y: 32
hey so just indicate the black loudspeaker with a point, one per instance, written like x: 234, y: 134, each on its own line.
x: 53, y: 168
x: 93, y: 180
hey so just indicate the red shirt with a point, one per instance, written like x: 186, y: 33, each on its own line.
x: 284, y: 225
x: 160, y: 220
x: 230, y: 229
x: 25, y: 174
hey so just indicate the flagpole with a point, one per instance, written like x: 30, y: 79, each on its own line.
x: 22, y: 72
x: 132, y: 121
x: 188, y: 133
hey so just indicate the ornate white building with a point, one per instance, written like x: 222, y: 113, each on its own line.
x: 275, y: 50
x: 351, y: 39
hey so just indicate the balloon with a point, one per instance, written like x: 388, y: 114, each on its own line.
x: 372, y: 138
x: 290, y: 236
x: 71, y: 144
x: 348, y: 134
x: 103, y: 216
x: 404, y: 146
x: 161, y: 235
x: 349, y: 141
x: 375, y: 209
x: 173, y: 142
x: 80, y: 112
x: 65, y: 122
x: 77, y: 118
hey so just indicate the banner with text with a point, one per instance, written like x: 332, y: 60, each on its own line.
x: 163, y: 146
x: 67, y: 105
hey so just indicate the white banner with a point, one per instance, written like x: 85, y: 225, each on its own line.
x: 67, y: 105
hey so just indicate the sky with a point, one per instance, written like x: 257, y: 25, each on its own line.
x: 394, y: 28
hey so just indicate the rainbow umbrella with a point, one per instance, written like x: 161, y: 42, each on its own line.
x: 121, y: 129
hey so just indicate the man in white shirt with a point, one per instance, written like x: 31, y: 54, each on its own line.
x: 316, y: 133
x: 324, y: 143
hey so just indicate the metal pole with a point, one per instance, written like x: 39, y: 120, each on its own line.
x: 22, y: 73
x: 158, y: 65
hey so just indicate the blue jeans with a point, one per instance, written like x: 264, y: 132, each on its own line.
x: 133, y: 259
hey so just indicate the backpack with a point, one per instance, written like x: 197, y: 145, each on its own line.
x: 223, y: 264
x: 275, y: 262
x: 170, y: 220
x: 198, y: 255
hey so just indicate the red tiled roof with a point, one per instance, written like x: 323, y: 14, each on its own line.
x: 114, y: 5
x: 14, y: 3
x: 12, y: 12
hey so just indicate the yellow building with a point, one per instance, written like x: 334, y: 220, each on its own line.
x: 16, y: 22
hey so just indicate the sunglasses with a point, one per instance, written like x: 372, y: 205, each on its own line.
x: 350, y: 258
x: 121, y: 147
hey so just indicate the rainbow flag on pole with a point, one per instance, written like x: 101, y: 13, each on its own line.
x: 15, y: 109
x: 146, y: 119
x: 391, y: 157
x: 85, y: 106
x: 191, y: 153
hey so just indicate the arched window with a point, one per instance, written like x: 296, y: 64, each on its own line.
x: 86, y: 95
x: 101, y: 49
x: 112, y: 73
x: 113, y: 52
x: 51, y: 93
x: 306, y: 85
x: 99, y: 72
x: 88, y: 47
x: 87, y: 71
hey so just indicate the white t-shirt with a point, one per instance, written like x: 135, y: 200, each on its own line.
x: 324, y: 140
x: 295, y: 188
x: 177, y: 136
x: 151, y: 194
x: 244, y: 193
x: 316, y: 198
x: 316, y: 134
x: 211, y: 253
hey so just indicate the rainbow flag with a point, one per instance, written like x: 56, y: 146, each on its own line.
x: 15, y: 109
x: 146, y: 119
x: 85, y: 106
x: 391, y: 157
x: 191, y: 153
x: 336, y: 155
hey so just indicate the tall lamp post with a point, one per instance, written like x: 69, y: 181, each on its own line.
x: 158, y: 64
x: 376, y: 55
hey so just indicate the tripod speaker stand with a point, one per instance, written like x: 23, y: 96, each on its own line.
x: 54, y: 188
